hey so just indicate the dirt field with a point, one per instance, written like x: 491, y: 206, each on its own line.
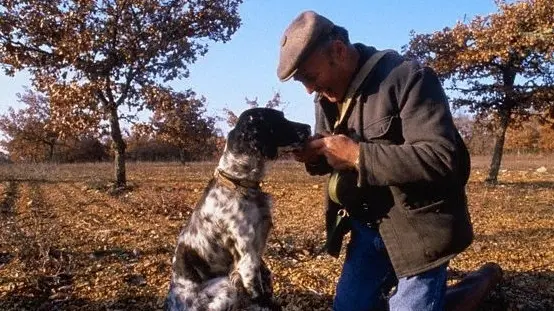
x: 67, y: 244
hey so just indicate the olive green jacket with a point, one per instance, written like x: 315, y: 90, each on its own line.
x: 413, y: 162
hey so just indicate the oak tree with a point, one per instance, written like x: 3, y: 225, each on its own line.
x: 546, y: 139
x: 95, y: 58
x: 498, y: 66
x: 32, y: 135
x: 180, y: 119
x: 27, y: 132
x: 523, y: 137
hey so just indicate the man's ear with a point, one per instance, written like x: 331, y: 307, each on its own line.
x: 338, y: 51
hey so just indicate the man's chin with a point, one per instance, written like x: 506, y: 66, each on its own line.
x: 331, y: 98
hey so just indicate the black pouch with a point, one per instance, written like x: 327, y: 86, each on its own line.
x: 343, y: 189
x: 342, y: 192
x: 336, y: 232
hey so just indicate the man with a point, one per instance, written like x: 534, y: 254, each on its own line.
x: 398, y: 166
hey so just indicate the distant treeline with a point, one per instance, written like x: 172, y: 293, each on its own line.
x: 96, y: 150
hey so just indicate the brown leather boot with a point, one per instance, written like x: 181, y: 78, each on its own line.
x: 470, y: 292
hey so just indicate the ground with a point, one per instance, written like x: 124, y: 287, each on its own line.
x: 69, y: 244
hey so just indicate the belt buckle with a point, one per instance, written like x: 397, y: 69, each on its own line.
x: 373, y: 224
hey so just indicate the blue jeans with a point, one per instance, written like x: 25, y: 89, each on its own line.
x: 368, y: 277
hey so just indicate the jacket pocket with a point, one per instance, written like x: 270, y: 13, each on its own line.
x: 384, y: 130
x: 378, y: 128
x: 434, y: 227
x: 435, y: 207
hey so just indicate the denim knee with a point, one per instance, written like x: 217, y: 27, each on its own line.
x: 366, y: 274
x: 422, y: 292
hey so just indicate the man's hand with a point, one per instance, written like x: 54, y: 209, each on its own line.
x: 341, y: 152
x: 307, y: 154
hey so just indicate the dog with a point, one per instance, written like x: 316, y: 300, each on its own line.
x: 218, y: 258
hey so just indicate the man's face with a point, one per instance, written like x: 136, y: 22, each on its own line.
x: 321, y: 72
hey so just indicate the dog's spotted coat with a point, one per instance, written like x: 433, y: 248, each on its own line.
x: 218, y: 259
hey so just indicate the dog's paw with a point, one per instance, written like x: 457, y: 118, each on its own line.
x: 262, y: 287
x: 265, y: 304
x: 254, y: 291
x: 251, y: 289
x: 266, y: 279
x: 236, y: 280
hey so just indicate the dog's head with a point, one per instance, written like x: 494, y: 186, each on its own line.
x: 263, y: 131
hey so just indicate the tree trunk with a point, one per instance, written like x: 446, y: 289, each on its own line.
x: 500, y: 136
x: 183, y: 155
x: 508, y: 79
x: 119, y: 148
x: 51, y: 152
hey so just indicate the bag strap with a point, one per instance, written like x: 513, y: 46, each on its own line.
x: 345, y: 109
x: 346, y: 105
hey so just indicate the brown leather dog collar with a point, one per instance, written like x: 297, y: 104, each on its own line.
x: 238, y: 184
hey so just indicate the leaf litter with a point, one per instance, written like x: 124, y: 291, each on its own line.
x: 69, y: 244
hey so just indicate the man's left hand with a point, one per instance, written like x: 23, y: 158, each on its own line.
x: 341, y: 152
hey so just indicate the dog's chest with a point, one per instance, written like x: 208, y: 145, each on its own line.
x: 223, y: 203
x: 223, y: 217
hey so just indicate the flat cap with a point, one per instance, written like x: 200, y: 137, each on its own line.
x: 299, y: 39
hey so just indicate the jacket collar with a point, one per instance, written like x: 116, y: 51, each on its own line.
x: 331, y: 110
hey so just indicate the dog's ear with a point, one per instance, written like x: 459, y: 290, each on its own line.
x: 263, y: 138
x: 236, y: 142
x: 268, y: 148
x: 253, y: 139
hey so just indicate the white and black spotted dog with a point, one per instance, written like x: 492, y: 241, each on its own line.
x: 218, y: 259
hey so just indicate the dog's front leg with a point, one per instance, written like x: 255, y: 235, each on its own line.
x: 248, y: 268
x: 247, y: 260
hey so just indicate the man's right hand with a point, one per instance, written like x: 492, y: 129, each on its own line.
x: 307, y: 154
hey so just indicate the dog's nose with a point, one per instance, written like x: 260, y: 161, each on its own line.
x: 304, y: 131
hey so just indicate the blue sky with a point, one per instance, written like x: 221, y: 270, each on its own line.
x: 246, y: 65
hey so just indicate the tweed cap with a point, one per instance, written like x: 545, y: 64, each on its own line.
x: 299, y: 39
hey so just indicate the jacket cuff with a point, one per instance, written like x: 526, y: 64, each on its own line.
x: 365, y: 166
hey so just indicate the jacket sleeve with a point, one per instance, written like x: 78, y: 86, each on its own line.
x: 428, y: 153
